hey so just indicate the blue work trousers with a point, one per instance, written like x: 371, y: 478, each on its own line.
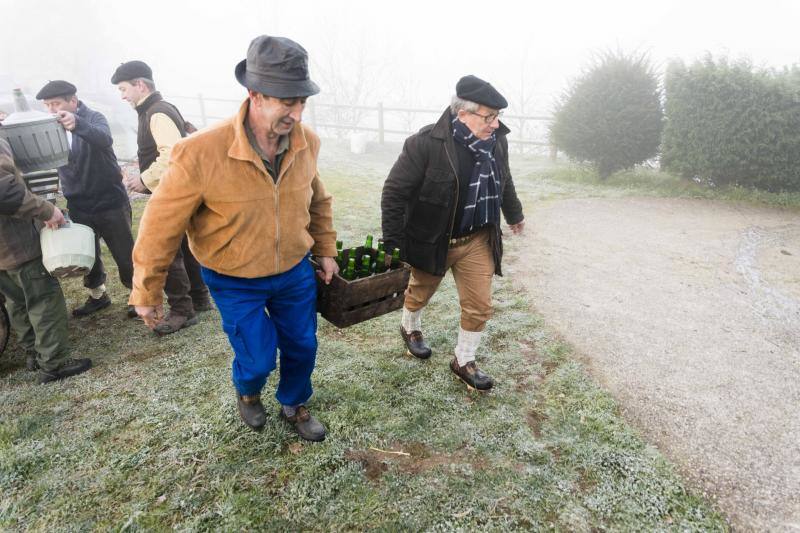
x: 261, y: 315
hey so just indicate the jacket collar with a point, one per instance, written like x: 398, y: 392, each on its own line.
x: 442, y: 130
x: 145, y: 104
x: 241, y: 149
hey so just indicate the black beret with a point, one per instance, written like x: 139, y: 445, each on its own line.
x: 476, y: 90
x: 132, y: 70
x: 56, y: 88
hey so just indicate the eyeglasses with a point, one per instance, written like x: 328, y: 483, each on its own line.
x: 488, y: 118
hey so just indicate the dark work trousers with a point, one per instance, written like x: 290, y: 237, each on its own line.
x: 185, y: 285
x: 114, y: 227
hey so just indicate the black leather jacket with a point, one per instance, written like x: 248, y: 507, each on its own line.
x: 420, y: 197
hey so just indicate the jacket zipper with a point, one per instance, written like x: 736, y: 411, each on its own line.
x: 277, y: 229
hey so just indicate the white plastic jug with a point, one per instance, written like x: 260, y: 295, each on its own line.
x: 67, y: 251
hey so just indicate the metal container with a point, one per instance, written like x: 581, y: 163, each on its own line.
x: 37, y: 145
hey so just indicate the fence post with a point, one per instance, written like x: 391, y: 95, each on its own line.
x: 553, y: 153
x: 202, y: 109
x: 380, y: 122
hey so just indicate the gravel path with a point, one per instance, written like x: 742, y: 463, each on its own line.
x: 688, y: 311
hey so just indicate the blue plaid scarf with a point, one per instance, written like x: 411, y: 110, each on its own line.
x: 483, y: 201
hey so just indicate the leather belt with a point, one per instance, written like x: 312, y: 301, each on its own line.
x: 461, y: 241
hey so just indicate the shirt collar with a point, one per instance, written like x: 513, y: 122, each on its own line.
x: 283, y: 142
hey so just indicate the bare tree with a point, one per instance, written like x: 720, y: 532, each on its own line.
x: 348, y: 77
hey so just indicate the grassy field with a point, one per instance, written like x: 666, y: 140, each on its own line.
x: 150, y: 438
x: 642, y: 181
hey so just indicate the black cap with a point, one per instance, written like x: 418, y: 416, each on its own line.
x: 476, y: 90
x: 131, y: 70
x: 56, y: 88
x: 276, y: 66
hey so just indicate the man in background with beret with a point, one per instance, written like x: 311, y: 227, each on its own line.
x: 92, y: 184
x: 161, y: 126
x: 441, y: 206
x: 249, y: 193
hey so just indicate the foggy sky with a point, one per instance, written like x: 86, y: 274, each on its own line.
x: 405, y: 53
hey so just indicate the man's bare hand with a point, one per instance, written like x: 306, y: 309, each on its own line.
x: 329, y: 268
x: 517, y: 228
x: 133, y: 182
x: 66, y: 119
x: 150, y: 314
x: 56, y: 220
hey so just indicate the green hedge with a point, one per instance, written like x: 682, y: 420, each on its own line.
x: 730, y: 123
x: 611, y: 117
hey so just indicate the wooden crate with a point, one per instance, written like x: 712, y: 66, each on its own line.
x: 344, y: 303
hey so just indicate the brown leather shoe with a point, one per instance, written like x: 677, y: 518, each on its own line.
x: 173, y: 322
x: 472, y: 375
x: 251, y: 410
x: 415, y: 344
x: 308, y: 427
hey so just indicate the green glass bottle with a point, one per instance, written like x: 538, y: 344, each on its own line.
x: 395, y: 258
x: 339, y: 256
x: 380, y: 263
x: 368, y: 243
x: 365, y: 264
x: 381, y: 246
x: 350, y: 272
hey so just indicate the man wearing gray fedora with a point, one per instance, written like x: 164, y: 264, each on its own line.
x: 249, y: 196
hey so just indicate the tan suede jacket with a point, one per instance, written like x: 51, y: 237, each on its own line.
x: 239, y: 221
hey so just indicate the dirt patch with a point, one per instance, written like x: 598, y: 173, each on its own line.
x: 145, y: 354
x: 535, y: 420
x: 688, y: 311
x: 409, y: 458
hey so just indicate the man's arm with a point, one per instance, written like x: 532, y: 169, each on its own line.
x: 166, y: 135
x: 162, y: 227
x: 93, y: 129
x: 405, y: 177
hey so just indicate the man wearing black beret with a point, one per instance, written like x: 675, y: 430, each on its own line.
x: 441, y: 206
x: 92, y: 184
x: 161, y: 126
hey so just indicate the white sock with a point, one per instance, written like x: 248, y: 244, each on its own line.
x: 412, y: 320
x: 98, y: 292
x: 468, y: 342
